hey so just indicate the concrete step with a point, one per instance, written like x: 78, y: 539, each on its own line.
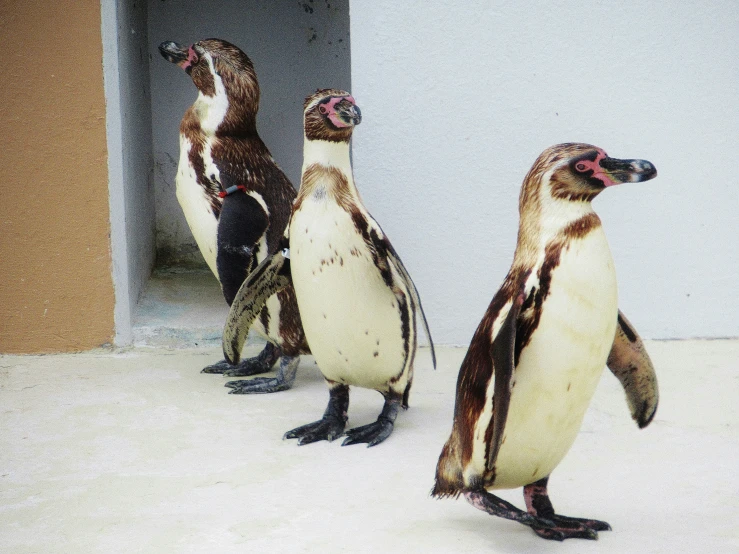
x: 180, y: 308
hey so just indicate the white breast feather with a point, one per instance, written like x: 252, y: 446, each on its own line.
x: 351, y: 318
x: 192, y: 198
x: 194, y: 203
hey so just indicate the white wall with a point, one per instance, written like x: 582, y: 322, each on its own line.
x: 128, y: 123
x: 460, y: 97
x: 296, y: 47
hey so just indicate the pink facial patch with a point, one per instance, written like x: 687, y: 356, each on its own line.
x: 594, y: 166
x: 330, y: 109
x: 192, y: 58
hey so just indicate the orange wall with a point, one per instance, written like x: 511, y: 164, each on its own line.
x: 56, y: 290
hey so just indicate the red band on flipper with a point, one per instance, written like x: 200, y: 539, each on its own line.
x: 231, y: 190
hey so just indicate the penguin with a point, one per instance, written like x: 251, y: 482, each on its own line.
x: 537, y: 355
x: 357, y: 301
x: 235, y: 198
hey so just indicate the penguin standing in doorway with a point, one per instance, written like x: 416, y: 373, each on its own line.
x: 235, y: 198
x: 539, y: 351
x: 357, y: 301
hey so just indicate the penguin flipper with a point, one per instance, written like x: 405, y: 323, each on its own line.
x: 270, y: 277
x: 397, y: 263
x: 491, y: 355
x: 238, y: 243
x: 630, y: 363
x: 387, y: 260
x: 502, y: 352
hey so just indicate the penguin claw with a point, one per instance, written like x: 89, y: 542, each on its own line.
x: 265, y: 385
x: 261, y: 363
x: 218, y: 367
x: 593, y: 524
x: 559, y: 528
x: 245, y: 369
x: 327, y: 428
x: 252, y: 366
x: 560, y: 534
x: 259, y: 385
x: 372, y: 434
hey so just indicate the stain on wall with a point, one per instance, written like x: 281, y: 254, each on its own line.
x: 56, y: 291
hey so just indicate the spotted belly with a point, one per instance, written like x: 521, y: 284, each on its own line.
x: 352, y: 319
x: 559, y: 369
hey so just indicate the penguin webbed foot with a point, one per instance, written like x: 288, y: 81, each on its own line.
x: 559, y: 527
x: 220, y: 367
x: 331, y: 426
x: 374, y: 433
x: 264, y: 385
x: 259, y: 385
x: 564, y: 527
x: 251, y: 366
x: 261, y: 363
x: 327, y: 428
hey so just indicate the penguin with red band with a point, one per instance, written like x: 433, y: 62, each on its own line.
x: 235, y: 198
x: 539, y: 351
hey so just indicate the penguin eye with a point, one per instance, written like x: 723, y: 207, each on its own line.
x: 580, y: 166
x: 323, y: 109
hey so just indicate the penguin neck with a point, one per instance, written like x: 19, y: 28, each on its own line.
x: 327, y: 169
x: 216, y: 117
x: 327, y: 153
x: 558, y: 213
x: 545, y: 218
x: 211, y: 109
x: 218, y: 113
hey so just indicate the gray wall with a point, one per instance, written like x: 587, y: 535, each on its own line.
x: 296, y: 48
x: 459, y: 98
x: 128, y: 119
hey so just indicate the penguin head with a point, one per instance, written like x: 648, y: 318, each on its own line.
x: 579, y: 172
x: 222, y: 73
x: 330, y: 114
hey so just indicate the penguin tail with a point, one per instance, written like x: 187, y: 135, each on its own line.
x: 440, y: 493
x: 449, y: 479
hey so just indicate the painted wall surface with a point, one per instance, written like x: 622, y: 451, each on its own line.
x: 459, y: 98
x: 56, y: 292
x: 296, y: 47
x: 126, y: 67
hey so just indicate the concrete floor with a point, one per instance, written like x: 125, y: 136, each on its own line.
x: 135, y: 450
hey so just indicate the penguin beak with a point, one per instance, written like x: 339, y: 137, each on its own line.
x: 626, y: 171
x: 180, y: 55
x: 349, y: 113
